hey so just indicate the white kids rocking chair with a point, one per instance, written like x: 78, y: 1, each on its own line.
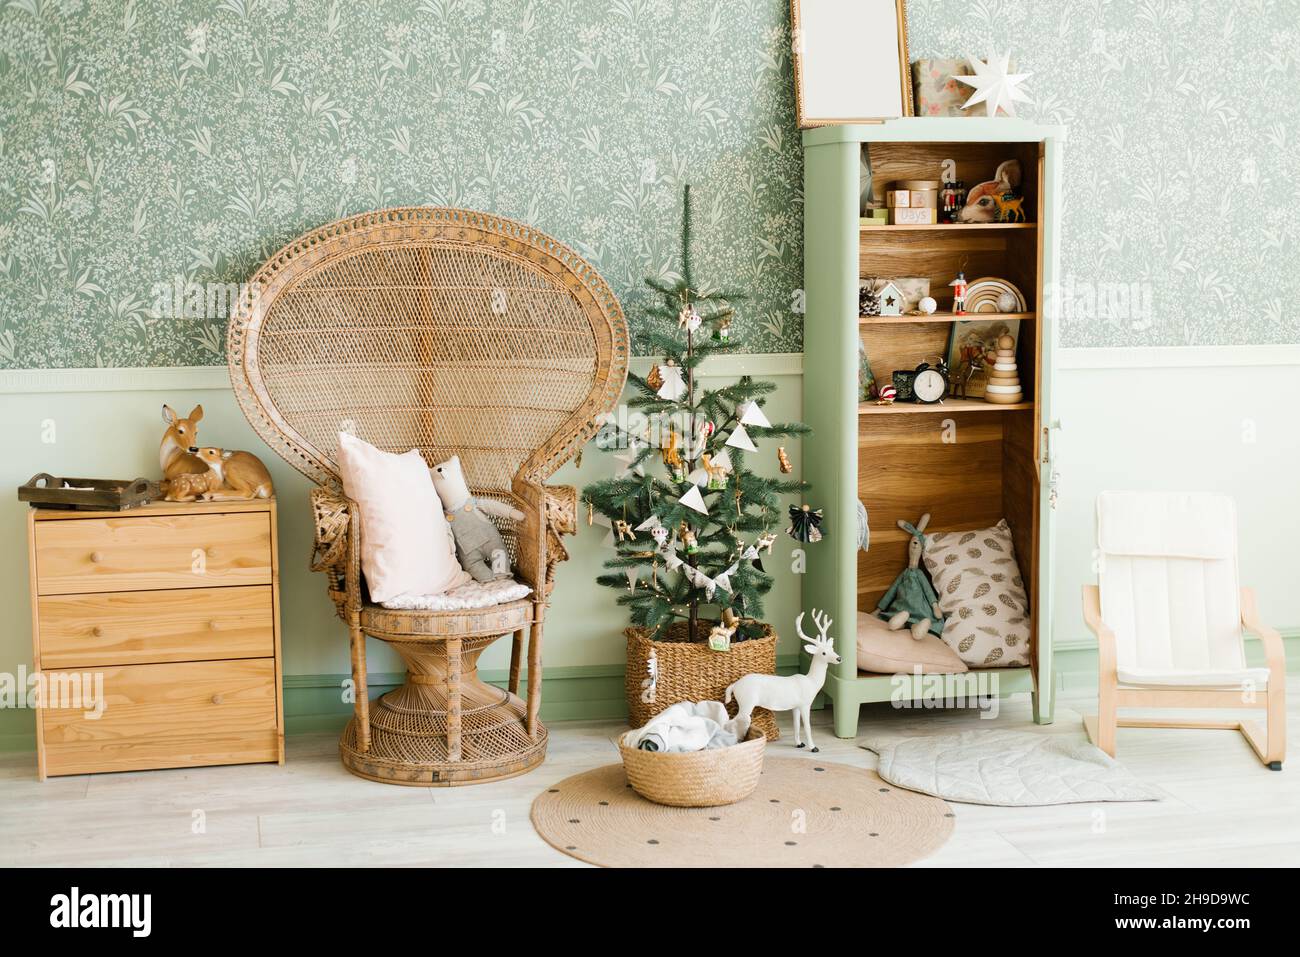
x: 1168, y: 614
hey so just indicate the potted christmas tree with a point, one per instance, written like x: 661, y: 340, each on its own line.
x: 690, y: 519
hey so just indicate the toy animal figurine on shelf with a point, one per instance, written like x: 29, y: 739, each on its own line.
x: 793, y: 693
x: 982, y: 202
x: 479, y: 546
x: 1010, y: 210
x: 179, y: 443
x: 911, y: 599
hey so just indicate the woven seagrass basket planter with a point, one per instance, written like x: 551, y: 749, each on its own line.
x: 696, y: 778
x: 689, y: 671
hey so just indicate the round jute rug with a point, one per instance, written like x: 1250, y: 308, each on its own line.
x: 805, y: 813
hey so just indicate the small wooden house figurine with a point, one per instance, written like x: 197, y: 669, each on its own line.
x: 891, y: 299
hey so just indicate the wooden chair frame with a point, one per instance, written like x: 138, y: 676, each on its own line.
x: 320, y: 329
x: 1270, y: 746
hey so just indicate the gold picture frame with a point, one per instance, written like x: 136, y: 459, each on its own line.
x: 836, y: 77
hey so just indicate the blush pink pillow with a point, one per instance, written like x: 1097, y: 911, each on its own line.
x: 406, y: 543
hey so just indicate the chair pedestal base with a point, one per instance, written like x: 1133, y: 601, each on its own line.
x: 444, y: 726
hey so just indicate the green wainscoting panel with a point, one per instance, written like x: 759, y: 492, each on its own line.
x: 315, y: 702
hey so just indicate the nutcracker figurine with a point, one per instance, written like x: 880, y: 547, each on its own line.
x: 959, y: 294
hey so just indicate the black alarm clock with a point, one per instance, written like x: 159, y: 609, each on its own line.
x: 930, y: 382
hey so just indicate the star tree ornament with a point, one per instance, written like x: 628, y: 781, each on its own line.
x: 994, y: 86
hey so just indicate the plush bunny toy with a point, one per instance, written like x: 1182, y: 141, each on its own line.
x: 479, y: 546
x: 911, y: 600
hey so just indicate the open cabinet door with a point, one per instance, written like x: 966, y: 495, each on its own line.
x: 1048, y: 432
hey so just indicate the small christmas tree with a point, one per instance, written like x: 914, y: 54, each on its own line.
x: 693, y: 537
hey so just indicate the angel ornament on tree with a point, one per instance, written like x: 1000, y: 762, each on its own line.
x: 709, y: 515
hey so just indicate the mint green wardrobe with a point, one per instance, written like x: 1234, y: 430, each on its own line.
x: 967, y: 462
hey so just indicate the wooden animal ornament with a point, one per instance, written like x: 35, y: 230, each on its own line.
x: 793, y: 693
x: 783, y: 460
x: 624, y: 530
x: 911, y: 599
x: 179, y: 443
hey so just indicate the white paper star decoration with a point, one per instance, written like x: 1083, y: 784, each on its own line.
x: 994, y: 86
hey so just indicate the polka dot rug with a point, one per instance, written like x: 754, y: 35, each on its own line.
x: 804, y: 813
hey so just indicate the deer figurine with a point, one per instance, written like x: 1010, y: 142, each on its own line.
x: 792, y: 693
x: 179, y: 443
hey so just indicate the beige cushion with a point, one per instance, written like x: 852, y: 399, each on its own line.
x: 981, y: 595
x: 406, y: 543
x: 896, y: 652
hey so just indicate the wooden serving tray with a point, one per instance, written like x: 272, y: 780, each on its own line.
x: 44, y: 490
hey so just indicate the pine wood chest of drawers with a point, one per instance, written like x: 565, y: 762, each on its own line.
x: 175, y: 608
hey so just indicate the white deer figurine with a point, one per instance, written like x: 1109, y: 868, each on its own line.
x: 792, y: 693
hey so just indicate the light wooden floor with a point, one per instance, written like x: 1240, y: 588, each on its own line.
x: 1221, y: 807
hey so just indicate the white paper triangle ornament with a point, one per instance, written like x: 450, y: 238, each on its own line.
x: 753, y: 415
x: 739, y: 439
x: 693, y: 499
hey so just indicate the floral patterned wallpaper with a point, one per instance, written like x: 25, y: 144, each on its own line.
x: 1184, y: 126
x: 152, y: 147
x: 150, y: 139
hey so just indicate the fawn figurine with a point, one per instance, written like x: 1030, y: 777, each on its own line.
x: 793, y: 693
x: 232, y: 476
x: 191, y: 486
x: 179, y: 443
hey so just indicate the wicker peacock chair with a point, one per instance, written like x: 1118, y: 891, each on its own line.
x: 457, y: 333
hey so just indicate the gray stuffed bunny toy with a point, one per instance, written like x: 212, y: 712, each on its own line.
x: 479, y: 546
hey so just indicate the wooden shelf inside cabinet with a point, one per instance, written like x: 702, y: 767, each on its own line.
x: 947, y: 407
x: 943, y: 317
x: 943, y: 227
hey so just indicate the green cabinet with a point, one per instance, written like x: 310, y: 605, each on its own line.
x: 967, y: 461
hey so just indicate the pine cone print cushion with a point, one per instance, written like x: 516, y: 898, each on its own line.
x: 981, y: 594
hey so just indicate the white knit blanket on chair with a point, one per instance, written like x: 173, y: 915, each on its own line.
x: 471, y: 595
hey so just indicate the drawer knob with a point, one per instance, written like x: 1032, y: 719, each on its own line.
x: 96, y: 557
x: 97, y: 631
x: 217, y: 699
